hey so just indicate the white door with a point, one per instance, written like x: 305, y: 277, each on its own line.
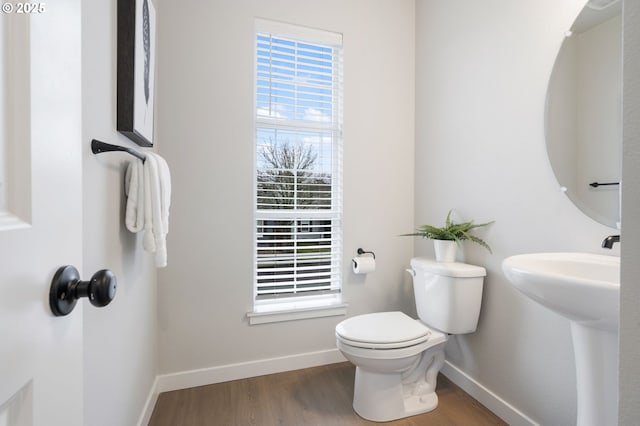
x: 40, y: 212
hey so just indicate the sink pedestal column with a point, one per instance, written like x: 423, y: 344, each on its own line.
x: 596, y: 354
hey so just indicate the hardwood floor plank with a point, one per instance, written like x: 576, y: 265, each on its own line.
x: 320, y: 396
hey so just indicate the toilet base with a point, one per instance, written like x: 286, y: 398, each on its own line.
x: 382, y: 397
x: 420, y: 404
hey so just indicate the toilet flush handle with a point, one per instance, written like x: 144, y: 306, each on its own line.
x: 411, y: 272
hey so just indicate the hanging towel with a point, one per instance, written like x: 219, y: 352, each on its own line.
x: 148, y: 189
x: 134, y: 189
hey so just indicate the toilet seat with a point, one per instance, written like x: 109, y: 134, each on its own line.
x: 382, y: 330
x: 395, y: 345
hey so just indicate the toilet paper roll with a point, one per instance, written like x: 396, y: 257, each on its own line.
x: 363, y: 265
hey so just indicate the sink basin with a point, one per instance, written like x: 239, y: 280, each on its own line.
x: 582, y: 287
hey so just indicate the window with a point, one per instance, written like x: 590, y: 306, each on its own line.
x: 298, y: 161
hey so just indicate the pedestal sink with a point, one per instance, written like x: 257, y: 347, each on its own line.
x: 585, y: 289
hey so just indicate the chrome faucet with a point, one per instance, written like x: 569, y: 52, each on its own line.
x: 610, y: 240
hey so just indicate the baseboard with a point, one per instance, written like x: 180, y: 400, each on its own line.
x: 149, y: 404
x: 493, y: 402
x: 225, y: 373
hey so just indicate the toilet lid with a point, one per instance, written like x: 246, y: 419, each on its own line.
x: 382, y: 327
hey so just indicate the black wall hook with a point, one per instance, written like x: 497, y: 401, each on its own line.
x: 66, y: 289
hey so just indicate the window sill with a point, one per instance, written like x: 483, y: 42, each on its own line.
x: 265, y: 315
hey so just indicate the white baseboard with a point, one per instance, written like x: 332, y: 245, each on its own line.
x: 493, y: 402
x: 225, y: 373
x: 149, y: 404
x: 242, y: 370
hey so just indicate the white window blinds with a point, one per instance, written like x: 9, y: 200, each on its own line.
x: 298, y: 141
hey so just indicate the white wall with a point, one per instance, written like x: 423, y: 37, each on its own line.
x: 481, y: 78
x: 119, y: 339
x: 205, y: 131
x: 630, y: 291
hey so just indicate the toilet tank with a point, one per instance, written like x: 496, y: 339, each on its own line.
x: 448, y: 294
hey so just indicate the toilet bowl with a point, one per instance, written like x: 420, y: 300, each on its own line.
x: 398, y: 358
x: 392, y: 353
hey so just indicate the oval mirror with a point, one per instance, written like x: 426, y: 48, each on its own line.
x: 583, y: 117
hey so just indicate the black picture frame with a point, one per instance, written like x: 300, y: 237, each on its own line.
x: 136, y: 70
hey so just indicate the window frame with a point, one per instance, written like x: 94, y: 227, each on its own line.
x: 306, y: 304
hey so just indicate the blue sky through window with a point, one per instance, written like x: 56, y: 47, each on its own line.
x: 294, y: 80
x: 295, y: 85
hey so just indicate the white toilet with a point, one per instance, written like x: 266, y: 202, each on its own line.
x: 398, y: 358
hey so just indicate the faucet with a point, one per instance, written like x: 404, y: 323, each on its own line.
x: 610, y: 240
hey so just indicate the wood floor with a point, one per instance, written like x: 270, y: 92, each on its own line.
x: 319, y: 396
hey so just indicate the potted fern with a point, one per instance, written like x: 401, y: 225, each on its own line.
x: 448, y: 238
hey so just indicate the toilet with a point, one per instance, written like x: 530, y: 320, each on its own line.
x: 398, y: 358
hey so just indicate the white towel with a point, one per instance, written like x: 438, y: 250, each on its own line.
x: 134, y: 189
x: 148, y: 189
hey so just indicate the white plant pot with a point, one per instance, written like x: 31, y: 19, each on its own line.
x: 445, y: 250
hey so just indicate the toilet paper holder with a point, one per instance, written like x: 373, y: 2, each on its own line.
x: 361, y: 252
x: 364, y: 265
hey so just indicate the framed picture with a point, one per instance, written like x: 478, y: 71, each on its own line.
x: 136, y: 70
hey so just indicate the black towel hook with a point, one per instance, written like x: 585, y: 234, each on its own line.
x: 597, y: 184
x: 98, y: 147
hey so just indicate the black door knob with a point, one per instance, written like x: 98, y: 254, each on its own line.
x: 66, y: 289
